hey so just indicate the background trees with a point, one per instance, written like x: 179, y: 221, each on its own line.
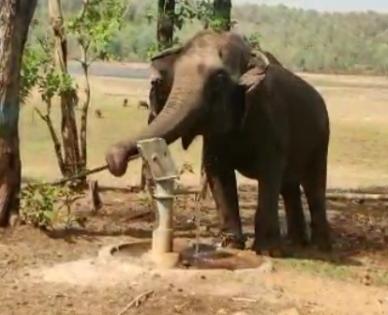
x: 222, y: 13
x: 324, y: 42
x: 165, y: 23
x: 90, y: 28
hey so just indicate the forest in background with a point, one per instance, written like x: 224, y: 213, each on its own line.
x: 304, y: 40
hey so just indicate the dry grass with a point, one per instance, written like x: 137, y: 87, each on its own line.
x: 359, y: 124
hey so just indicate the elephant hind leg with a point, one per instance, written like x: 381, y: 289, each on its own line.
x: 296, y: 224
x: 314, y: 185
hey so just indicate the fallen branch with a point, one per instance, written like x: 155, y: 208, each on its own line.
x: 78, y: 176
x: 137, y: 301
x: 82, y: 174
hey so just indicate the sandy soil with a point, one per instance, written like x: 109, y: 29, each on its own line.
x: 57, y: 272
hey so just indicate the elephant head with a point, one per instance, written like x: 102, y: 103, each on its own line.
x: 198, y: 85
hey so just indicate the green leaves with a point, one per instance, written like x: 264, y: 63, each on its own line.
x: 39, y: 70
x: 32, y: 61
x: 96, y: 24
x: 93, y: 27
x: 254, y: 40
x: 40, y: 204
x: 201, y: 10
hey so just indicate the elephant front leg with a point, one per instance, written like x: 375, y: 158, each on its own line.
x: 267, y: 229
x: 223, y: 184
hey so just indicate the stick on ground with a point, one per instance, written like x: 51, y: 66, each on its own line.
x: 137, y: 301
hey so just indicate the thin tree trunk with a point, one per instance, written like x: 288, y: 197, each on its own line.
x: 57, y: 144
x: 72, y: 158
x: 15, y: 18
x: 85, y: 109
x: 222, y: 13
x: 165, y: 26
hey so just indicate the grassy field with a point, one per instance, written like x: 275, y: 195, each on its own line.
x: 358, y: 108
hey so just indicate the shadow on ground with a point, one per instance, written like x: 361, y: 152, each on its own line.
x: 358, y: 229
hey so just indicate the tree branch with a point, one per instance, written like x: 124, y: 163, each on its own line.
x: 57, y: 145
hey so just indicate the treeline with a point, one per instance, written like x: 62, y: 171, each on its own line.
x: 303, y: 40
x: 324, y: 42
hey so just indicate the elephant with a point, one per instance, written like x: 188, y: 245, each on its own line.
x: 161, y: 82
x: 258, y: 119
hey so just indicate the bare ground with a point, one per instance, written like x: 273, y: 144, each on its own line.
x: 351, y: 280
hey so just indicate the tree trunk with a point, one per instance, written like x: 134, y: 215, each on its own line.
x: 85, y: 110
x: 15, y: 18
x: 165, y: 27
x: 222, y: 13
x: 68, y: 100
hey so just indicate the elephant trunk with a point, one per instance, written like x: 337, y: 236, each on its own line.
x: 173, y: 122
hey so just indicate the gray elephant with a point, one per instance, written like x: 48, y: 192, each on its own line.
x: 161, y: 79
x: 262, y: 121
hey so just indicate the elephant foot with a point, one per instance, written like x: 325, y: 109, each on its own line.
x: 298, y: 239
x: 321, y: 239
x: 230, y: 240
x: 271, y: 248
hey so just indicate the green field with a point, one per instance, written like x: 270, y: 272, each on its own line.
x: 359, y: 124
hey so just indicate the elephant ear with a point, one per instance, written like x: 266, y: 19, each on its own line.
x: 162, y: 65
x: 257, y: 68
x: 161, y: 78
x: 251, y: 80
x: 258, y: 59
x: 162, y: 68
x: 272, y: 59
x: 165, y: 60
x: 167, y: 52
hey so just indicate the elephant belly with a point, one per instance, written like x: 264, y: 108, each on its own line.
x: 248, y: 172
x: 243, y: 156
x: 246, y: 163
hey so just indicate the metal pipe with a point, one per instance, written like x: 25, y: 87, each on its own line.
x: 162, y: 237
x: 159, y: 160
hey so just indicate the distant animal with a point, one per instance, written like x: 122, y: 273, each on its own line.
x: 98, y: 113
x: 125, y: 103
x: 143, y: 104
